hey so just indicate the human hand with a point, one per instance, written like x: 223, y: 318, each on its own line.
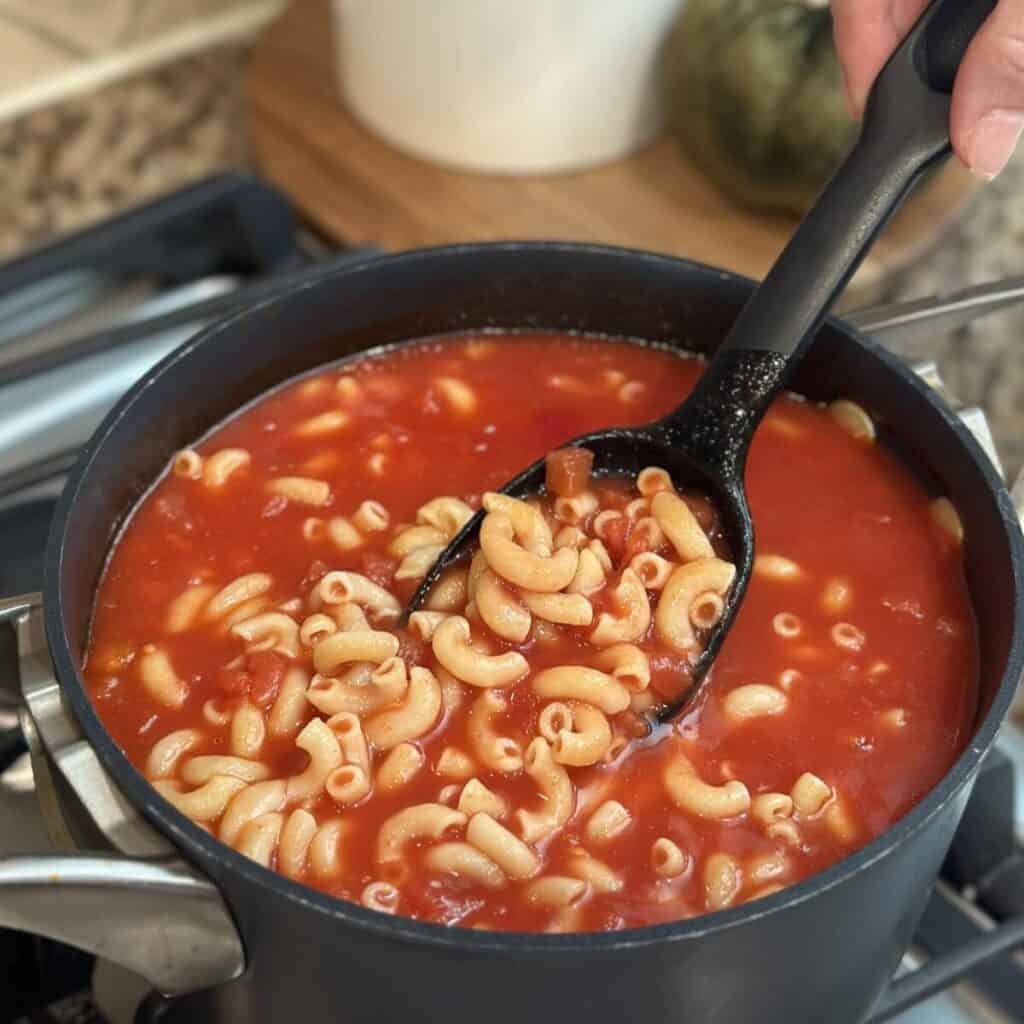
x: 987, y: 116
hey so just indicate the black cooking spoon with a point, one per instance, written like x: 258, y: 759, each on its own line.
x: 704, y: 442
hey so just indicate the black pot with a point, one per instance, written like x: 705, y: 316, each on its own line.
x: 820, y: 950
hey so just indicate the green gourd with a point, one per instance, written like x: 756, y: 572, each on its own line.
x: 754, y: 95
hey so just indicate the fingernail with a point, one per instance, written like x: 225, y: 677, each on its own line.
x: 992, y: 142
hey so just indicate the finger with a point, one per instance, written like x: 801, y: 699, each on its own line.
x: 988, y: 100
x: 866, y: 33
x: 864, y: 37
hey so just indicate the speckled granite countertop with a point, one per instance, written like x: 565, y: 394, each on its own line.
x: 982, y: 364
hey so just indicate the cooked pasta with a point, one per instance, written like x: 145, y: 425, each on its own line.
x: 491, y: 762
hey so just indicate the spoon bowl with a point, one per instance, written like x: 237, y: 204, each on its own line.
x: 624, y: 452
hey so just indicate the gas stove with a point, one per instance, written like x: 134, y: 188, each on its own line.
x: 79, y: 322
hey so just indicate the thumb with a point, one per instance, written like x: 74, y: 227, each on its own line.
x: 866, y: 33
x: 987, y: 118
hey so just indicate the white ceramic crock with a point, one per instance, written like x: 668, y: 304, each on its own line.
x: 505, y: 86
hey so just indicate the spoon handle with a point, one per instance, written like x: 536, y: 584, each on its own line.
x: 905, y: 133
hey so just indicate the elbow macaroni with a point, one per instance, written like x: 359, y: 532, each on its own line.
x: 576, y: 682
x: 680, y: 526
x: 500, y: 611
x: 693, y: 795
x: 159, y: 679
x: 686, y: 584
x: 165, y: 754
x: 317, y: 740
x: 631, y: 601
x: 509, y: 559
x: 422, y: 821
x: 367, y: 716
x: 400, y: 767
x: 497, y: 752
x: 557, y: 793
x: 453, y: 648
x: 413, y: 718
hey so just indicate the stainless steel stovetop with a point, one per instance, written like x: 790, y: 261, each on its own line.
x: 80, y: 322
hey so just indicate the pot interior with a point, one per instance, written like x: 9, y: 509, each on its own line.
x: 564, y: 288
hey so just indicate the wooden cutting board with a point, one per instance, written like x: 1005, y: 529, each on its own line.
x: 358, y: 189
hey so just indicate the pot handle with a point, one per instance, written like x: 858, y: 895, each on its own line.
x: 135, y: 902
x: 156, y: 918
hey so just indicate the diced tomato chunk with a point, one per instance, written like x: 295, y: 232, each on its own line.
x: 670, y: 674
x: 266, y: 670
x: 567, y: 471
x: 637, y: 541
x: 668, y: 687
x: 379, y: 567
x: 233, y: 681
x: 616, y: 536
x: 314, y: 574
x: 412, y: 651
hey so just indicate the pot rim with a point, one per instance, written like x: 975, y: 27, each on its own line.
x: 203, y: 849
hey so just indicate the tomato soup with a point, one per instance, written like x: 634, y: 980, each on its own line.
x: 490, y: 765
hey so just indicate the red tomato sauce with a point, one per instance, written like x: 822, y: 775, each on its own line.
x: 879, y: 725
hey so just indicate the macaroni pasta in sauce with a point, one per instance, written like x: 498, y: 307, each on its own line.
x: 489, y: 765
